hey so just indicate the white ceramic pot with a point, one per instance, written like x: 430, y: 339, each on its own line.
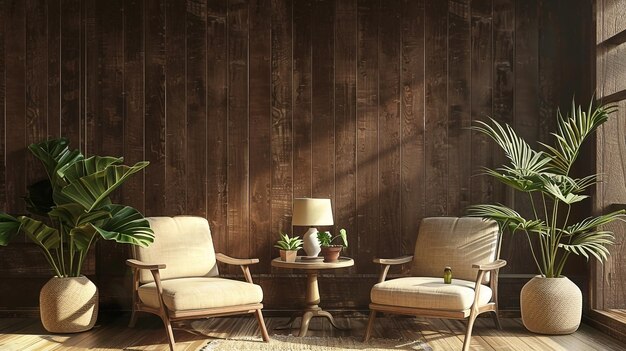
x: 68, y: 305
x: 551, y: 305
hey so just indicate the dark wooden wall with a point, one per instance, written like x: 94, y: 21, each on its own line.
x: 240, y: 106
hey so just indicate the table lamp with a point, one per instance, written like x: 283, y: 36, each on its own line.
x: 310, y: 213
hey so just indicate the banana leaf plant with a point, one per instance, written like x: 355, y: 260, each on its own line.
x: 543, y: 176
x: 75, y: 198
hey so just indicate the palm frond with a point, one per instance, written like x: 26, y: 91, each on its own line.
x: 572, y: 131
x: 523, y: 158
x: 590, y: 223
x: 591, y: 243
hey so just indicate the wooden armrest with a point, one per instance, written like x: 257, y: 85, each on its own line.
x: 490, y: 266
x: 235, y: 261
x: 143, y: 265
x: 394, y: 261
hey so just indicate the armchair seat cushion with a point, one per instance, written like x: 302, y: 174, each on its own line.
x: 429, y: 293
x: 201, y: 293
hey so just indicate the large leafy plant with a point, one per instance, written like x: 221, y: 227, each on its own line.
x: 544, y: 176
x: 75, y: 198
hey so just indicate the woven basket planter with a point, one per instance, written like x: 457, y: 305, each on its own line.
x: 68, y: 305
x: 551, y: 305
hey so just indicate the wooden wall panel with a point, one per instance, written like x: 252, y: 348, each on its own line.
x: 345, y: 118
x: 242, y: 105
x: 412, y: 107
x: 260, y: 116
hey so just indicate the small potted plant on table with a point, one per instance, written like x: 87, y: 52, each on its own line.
x: 329, y: 251
x: 288, y: 247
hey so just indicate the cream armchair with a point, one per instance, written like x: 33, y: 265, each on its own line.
x: 177, y: 278
x: 470, y: 247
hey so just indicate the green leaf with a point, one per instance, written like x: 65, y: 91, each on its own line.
x: 507, y: 218
x: 126, y: 225
x: 9, y: 228
x: 591, y: 223
x: 55, y: 154
x: 591, y: 243
x: 40, y: 233
x: 92, y: 190
x: 83, y: 236
x: 572, y: 131
x: 523, y: 158
x: 344, y: 237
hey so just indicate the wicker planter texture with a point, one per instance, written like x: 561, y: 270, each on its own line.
x: 551, y: 305
x: 68, y: 305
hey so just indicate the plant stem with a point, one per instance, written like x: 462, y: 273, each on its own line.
x: 50, y: 260
x: 562, y: 264
x: 532, y: 251
x: 554, y: 245
x: 532, y: 203
x: 62, y: 234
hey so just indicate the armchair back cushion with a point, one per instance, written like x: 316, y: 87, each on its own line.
x: 183, y: 244
x: 454, y: 242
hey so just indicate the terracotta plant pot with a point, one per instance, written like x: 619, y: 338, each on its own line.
x: 551, y: 305
x: 331, y: 253
x: 68, y: 305
x: 288, y: 255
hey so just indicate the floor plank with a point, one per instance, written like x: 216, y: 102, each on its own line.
x: 111, y: 333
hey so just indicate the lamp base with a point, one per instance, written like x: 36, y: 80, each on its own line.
x: 310, y: 243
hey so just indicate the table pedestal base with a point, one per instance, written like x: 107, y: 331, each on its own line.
x: 312, y: 309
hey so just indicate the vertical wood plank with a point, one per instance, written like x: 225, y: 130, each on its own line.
x: 389, y: 242
x: 481, y: 98
x: 515, y: 248
x: 175, y: 108
x: 217, y: 115
x: 196, y: 123
x: 105, y: 133
x: 71, y: 120
x: 282, y: 141
x: 36, y: 94
x: 436, y: 120
x: 261, y: 236
x: 15, y: 107
x: 89, y: 57
x: 155, y: 59
x: 460, y: 119
x: 238, y: 132
x: 367, y: 134
x: 548, y: 69
x: 412, y: 107
x: 302, y: 90
x: 53, y: 55
x: 3, y: 142
x: 134, y: 125
x: 107, y: 136
x: 503, y: 99
x: 322, y: 104
x: 525, y: 113
x: 345, y: 120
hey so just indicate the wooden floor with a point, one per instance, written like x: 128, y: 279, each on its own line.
x: 112, y: 334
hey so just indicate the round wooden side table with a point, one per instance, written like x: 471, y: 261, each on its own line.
x: 312, y: 298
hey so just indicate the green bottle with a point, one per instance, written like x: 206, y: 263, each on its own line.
x: 447, y: 275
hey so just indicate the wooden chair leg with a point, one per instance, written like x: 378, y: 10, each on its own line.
x: 496, y: 319
x: 168, y: 331
x: 370, y: 326
x: 468, y: 333
x: 133, y: 318
x: 259, y: 318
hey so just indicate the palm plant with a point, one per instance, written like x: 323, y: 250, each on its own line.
x: 75, y: 198
x: 545, y: 177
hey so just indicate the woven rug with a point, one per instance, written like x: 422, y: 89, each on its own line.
x: 308, y: 343
x: 313, y: 343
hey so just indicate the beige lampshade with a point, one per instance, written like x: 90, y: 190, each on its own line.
x: 312, y: 212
